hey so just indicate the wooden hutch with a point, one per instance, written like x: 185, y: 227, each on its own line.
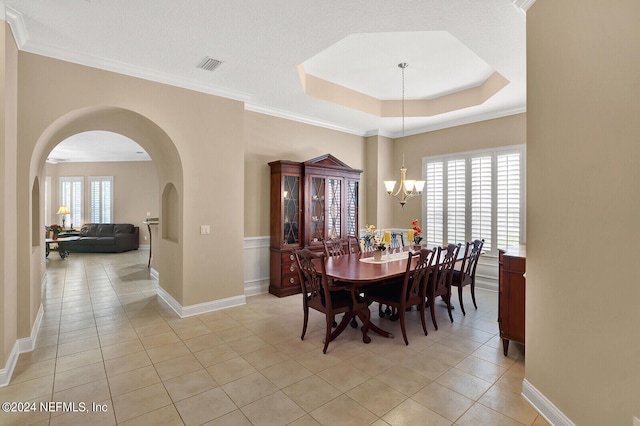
x: 311, y: 202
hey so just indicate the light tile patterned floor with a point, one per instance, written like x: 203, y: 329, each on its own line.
x: 107, y: 340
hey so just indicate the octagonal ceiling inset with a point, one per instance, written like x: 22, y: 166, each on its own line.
x: 361, y: 72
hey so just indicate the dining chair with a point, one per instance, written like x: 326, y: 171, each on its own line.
x: 409, y: 290
x: 336, y: 247
x: 466, y: 275
x: 319, y: 293
x: 440, y: 282
x: 354, y: 245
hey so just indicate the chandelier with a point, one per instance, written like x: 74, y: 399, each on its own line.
x: 408, y: 188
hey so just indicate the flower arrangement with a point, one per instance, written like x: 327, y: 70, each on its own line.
x: 55, y: 228
x: 373, y: 239
x: 417, y: 230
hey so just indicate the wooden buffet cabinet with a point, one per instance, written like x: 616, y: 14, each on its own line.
x: 310, y: 202
x: 511, y: 301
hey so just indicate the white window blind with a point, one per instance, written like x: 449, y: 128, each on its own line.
x: 101, y: 199
x: 508, y: 199
x: 456, y: 200
x: 433, y: 198
x: 475, y: 195
x: 481, y: 200
x: 71, y: 190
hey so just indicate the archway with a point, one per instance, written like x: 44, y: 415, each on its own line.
x: 168, y: 165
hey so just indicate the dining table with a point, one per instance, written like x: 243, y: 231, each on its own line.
x: 360, y: 270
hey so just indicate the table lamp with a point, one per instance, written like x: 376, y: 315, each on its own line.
x: 63, y: 211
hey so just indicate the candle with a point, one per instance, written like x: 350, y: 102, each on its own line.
x: 410, y: 235
x: 387, y: 237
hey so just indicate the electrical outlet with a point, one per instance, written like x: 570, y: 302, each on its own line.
x: 205, y: 229
x: 145, y: 238
x: 148, y: 214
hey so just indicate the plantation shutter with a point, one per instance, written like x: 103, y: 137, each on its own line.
x: 101, y: 203
x: 456, y: 201
x: 481, y: 200
x: 434, y: 197
x: 508, y: 199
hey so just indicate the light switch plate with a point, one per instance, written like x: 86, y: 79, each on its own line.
x: 205, y: 229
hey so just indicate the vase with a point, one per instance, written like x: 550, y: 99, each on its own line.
x: 377, y: 254
x: 55, y: 237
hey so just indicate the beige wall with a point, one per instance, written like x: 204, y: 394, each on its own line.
x: 269, y: 139
x: 8, y: 209
x: 135, y: 191
x: 499, y: 132
x: 194, y: 139
x: 583, y: 321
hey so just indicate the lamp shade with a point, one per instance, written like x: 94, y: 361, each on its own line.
x: 63, y: 210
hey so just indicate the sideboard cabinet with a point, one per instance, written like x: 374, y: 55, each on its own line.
x: 512, y: 291
x: 311, y: 201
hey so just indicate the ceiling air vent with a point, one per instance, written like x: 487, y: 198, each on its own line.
x: 209, y: 64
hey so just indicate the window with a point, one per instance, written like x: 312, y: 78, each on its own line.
x: 475, y: 195
x: 71, y: 190
x: 101, y: 199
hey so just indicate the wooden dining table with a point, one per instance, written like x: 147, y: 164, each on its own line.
x: 361, y: 270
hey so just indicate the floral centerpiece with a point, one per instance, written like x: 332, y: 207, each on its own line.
x: 417, y: 230
x: 373, y: 240
x: 55, y: 229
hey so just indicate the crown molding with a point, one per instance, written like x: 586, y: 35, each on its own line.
x: 523, y: 5
x: 16, y: 22
x: 299, y: 118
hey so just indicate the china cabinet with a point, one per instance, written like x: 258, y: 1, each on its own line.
x: 311, y: 201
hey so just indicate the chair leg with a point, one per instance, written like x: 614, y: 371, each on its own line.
x: 433, y: 314
x: 422, y: 309
x: 401, y: 312
x: 306, y: 320
x: 327, y: 336
x: 473, y: 293
x: 448, y: 300
x: 460, y: 299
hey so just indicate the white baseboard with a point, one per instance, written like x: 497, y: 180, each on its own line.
x: 26, y: 344
x: 200, y: 308
x: 540, y: 402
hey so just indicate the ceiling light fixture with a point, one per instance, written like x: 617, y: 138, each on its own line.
x: 407, y: 188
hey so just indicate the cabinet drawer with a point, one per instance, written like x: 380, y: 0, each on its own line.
x: 290, y: 268
x: 291, y: 281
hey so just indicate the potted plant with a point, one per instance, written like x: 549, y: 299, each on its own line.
x: 55, y: 230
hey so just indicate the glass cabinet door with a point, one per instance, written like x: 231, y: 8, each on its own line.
x: 351, y: 210
x: 291, y: 208
x: 334, y: 208
x: 317, y: 210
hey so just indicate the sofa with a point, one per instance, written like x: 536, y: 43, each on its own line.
x: 105, y: 238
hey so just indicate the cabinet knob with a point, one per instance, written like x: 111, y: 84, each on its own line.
x: 292, y: 268
x: 291, y: 280
x: 291, y: 257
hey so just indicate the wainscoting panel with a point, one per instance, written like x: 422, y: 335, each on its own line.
x: 256, y: 265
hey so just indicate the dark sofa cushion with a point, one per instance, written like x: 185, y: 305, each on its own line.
x: 105, y: 230
x: 123, y: 228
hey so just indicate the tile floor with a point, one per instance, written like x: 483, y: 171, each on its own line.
x: 106, y: 340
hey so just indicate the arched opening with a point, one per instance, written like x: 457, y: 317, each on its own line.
x: 167, y: 166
